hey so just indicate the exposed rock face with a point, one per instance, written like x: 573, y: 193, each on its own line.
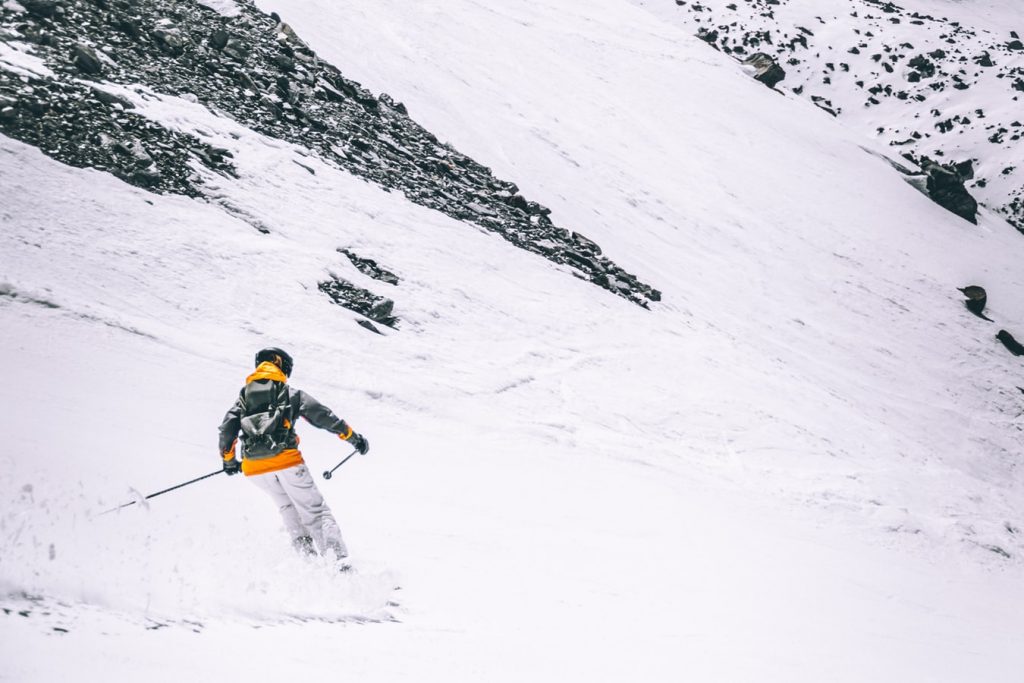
x: 370, y: 268
x: 377, y: 308
x: 766, y: 69
x: 254, y: 68
x: 946, y: 186
x: 74, y: 124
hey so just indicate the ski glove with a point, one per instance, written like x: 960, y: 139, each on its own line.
x: 359, y: 442
x: 232, y: 466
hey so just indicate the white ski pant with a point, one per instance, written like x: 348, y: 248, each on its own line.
x: 302, y: 507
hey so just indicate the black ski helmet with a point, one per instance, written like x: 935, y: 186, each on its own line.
x: 276, y: 356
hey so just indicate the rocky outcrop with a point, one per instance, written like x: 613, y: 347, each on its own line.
x: 945, y: 185
x: 377, y: 308
x: 765, y: 69
x: 370, y: 268
x: 1011, y: 344
x: 253, y: 68
x: 83, y: 127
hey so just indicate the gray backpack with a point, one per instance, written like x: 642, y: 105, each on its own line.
x: 267, y: 424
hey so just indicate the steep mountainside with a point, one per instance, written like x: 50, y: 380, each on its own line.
x: 802, y: 463
x: 255, y: 69
x: 930, y: 78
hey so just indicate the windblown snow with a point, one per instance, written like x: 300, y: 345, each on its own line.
x: 802, y: 465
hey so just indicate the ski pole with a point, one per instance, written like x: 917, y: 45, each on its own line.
x: 328, y: 473
x: 160, y: 493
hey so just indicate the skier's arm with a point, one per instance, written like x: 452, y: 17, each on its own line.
x: 321, y: 416
x: 229, y: 429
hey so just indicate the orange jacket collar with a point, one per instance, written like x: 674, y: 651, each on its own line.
x: 267, y: 370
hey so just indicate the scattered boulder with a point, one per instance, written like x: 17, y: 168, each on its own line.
x: 945, y: 185
x: 170, y: 40
x: 86, y: 60
x: 237, y: 49
x: 1011, y: 344
x: 369, y: 326
x: 110, y: 98
x: 377, y: 308
x: 44, y: 9
x: 370, y: 268
x: 976, y: 299
x: 219, y: 38
x: 922, y: 67
x: 765, y: 69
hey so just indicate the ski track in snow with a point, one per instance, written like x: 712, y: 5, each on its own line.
x: 807, y: 453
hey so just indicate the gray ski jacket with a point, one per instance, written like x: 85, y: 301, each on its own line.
x: 301, y: 405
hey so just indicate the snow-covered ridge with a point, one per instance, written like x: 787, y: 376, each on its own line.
x: 929, y: 78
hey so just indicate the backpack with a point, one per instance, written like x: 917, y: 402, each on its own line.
x: 266, y: 419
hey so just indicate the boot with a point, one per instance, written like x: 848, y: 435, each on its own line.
x: 304, y: 546
x: 339, y: 555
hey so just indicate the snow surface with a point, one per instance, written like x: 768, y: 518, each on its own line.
x: 14, y: 57
x: 797, y: 468
x: 227, y: 8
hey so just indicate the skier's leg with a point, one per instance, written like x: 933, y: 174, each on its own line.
x: 312, y: 510
x: 292, y: 522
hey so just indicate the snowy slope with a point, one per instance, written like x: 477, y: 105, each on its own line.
x: 808, y: 452
x: 939, y: 78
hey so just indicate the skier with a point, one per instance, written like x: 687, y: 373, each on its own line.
x: 265, y: 413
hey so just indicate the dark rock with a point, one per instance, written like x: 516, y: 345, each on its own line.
x: 86, y: 60
x: 964, y: 169
x: 709, y: 37
x: 586, y: 245
x: 1011, y: 344
x: 370, y: 326
x: 518, y: 201
x: 946, y: 187
x: 148, y: 176
x: 237, y: 49
x: 381, y: 311
x: 170, y: 40
x: 360, y: 300
x: 109, y: 98
x: 45, y: 9
x: 922, y: 66
x: 976, y: 299
x: 370, y: 268
x: 8, y: 111
x: 766, y: 69
x: 130, y: 27
x: 37, y: 107
x: 219, y: 38
x: 284, y: 63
